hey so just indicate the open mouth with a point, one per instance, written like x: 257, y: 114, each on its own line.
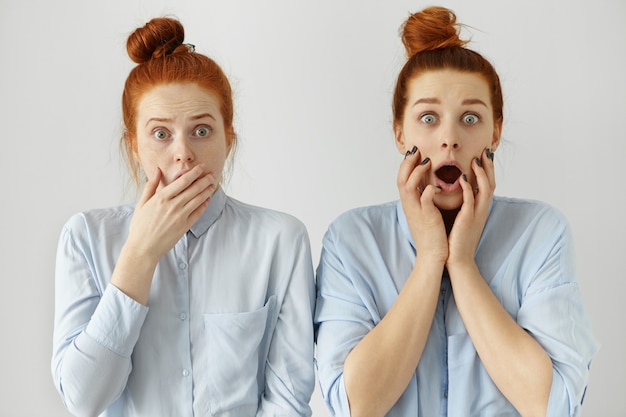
x: 448, y: 174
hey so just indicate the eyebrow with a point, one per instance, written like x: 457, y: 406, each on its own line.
x: 202, y: 116
x: 474, y: 101
x: 167, y: 119
x: 434, y: 100
x: 427, y: 100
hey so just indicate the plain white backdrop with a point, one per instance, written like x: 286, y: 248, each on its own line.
x: 313, y: 82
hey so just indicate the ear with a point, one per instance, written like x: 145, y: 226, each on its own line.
x: 399, y: 136
x: 497, y: 131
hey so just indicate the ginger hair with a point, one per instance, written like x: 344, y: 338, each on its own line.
x: 432, y: 42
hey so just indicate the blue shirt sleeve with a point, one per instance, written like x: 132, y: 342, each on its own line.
x: 289, y: 373
x: 552, y: 311
x: 95, y: 331
x: 342, y: 320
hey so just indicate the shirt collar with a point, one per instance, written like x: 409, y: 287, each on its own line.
x: 210, y: 215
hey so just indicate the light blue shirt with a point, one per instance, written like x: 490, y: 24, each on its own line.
x: 525, y: 254
x: 227, y: 331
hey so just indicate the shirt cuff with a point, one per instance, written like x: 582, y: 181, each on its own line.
x: 116, y: 323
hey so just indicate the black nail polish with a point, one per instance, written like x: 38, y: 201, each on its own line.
x: 489, y: 153
x: 425, y: 161
x: 413, y: 150
x: 407, y: 154
x: 480, y: 164
x: 464, y: 177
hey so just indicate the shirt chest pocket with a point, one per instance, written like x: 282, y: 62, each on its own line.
x: 237, y: 347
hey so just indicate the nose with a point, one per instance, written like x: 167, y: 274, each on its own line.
x: 450, y: 138
x: 183, y: 152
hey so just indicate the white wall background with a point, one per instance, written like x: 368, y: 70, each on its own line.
x: 313, y: 84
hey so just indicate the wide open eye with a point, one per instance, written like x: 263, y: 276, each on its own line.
x: 428, y: 118
x: 160, y: 134
x: 470, y: 119
x: 203, y: 131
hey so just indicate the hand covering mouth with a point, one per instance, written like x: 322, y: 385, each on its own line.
x: 448, y: 173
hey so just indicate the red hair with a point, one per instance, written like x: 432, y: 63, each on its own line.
x: 432, y: 42
x: 162, y: 58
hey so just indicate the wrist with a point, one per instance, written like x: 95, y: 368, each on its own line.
x: 461, y: 267
x: 426, y: 265
x: 137, y: 249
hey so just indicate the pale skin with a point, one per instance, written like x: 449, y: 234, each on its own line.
x: 449, y: 118
x: 182, y: 146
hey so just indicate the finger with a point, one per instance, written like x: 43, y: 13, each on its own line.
x: 198, y: 192
x: 468, y: 193
x: 484, y: 183
x: 407, y: 166
x: 489, y: 167
x: 416, y: 178
x: 151, y: 186
x: 199, y: 203
x: 203, y: 183
x: 184, y: 181
x: 427, y: 198
x: 412, y: 172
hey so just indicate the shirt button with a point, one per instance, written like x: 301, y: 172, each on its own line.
x: 183, y: 316
x: 445, y: 394
x: 182, y: 265
x: 185, y: 372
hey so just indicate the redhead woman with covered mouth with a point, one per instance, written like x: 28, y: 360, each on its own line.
x: 451, y: 301
x: 189, y: 302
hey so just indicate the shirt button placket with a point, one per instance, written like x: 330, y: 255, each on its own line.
x: 182, y: 312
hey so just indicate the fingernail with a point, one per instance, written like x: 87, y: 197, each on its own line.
x: 489, y: 153
x: 464, y: 177
x: 480, y: 164
x: 407, y: 154
x: 413, y: 150
x: 425, y: 161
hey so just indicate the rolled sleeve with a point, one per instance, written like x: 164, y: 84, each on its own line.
x: 341, y: 321
x: 567, y: 335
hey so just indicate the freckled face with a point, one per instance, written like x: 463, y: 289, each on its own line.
x: 449, y: 117
x: 179, y: 126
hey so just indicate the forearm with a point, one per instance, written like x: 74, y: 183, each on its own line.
x: 379, y: 368
x: 515, y: 361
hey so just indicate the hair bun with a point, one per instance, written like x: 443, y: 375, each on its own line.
x: 429, y: 29
x: 159, y: 37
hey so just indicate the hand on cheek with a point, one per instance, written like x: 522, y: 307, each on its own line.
x: 423, y: 217
x: 471, y: 219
